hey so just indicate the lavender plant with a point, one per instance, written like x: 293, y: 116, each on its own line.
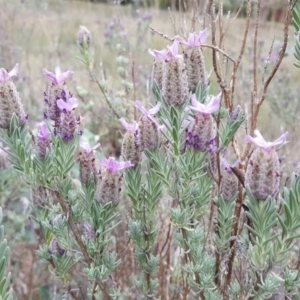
x: 199, y: 226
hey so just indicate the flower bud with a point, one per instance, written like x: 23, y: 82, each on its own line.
x: 39, y: 196
x: 130, y: 146
x: 84, y: 37
x: 229, y: 182
x: 10, y: 101
x: 69, y: 121
x: 109, y: 186
x: 43, y: 141
x: 88, y: 231
x: 55, y: 248
x: 88, y: 163
x: 235, y: 113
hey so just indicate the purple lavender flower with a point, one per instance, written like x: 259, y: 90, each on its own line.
x: 131, y: 149
x: 58, y: 76
x: 88, y: 162
x: 68, y: 124
x: 110, y: 185
x: 202, y: 132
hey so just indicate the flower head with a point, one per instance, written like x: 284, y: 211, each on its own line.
x: 212, y: 106
x: 195, y: 40
x: 113, y: 166
x: 68, y: 105
x: 132, y: 127
x: 167, y: 54
x: 43, y: 131
x: 5, y: 76
x: 261, y: 142
x: 58, y: 76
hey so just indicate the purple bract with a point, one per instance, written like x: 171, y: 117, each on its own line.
x: 58, y: 76
x: 113, y: 166
x: 5, y: 76
x: 261, y: 142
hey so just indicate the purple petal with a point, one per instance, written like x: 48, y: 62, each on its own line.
x: 58, y: 76
x: 113, y: 166
x: 124, y: 123
x: 14, y: 71
x: 196, y: 105
x: 43, y: 131
x: 214, y: 104
x: 138, y: 104
x: 281, y: 140
x: 73, y: 102
x: 50, y: 75
x: 63, y: 105
x: 203, y: 36
x: 4, y: 75
x: 87, y: 148
x: 65, y: 75
x: 261, y: 142
x: 155, y: 109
